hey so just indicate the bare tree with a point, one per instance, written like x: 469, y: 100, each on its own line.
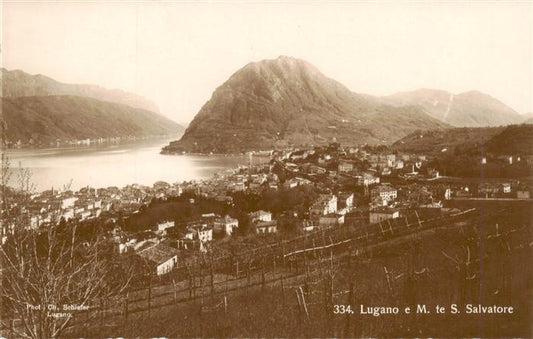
x: 43, y: 271
x: 45, y: 268
x: 5, y: 175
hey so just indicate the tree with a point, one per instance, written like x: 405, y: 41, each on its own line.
x: 44, y: 268
x: 5, y: 175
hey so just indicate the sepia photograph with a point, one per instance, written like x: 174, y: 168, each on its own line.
x: 266, y: 169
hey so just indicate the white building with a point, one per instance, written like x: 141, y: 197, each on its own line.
x: 160, y: 258
x: 260, y: 216
x: 384, y: 192
x: 225, y: 225
x: 68, y: 202
x: 164, y: 225
x: 266, y: 227
x: 326, y: 204
x: 205, y: 234
x: 381, y: 214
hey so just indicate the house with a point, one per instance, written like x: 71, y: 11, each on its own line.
x: 386, y: 171
x: 291, y: 183
x: 260, y: 216
x: 433, y: 173
x: 204, y: 233
x: 225, y: 225
x: 330, y: 220
x: 307, y: 226
x: 346, y: 166
x: 68, y: 202
x: 367, y: 179
x: 160, y: 258
x: 164, y: 225
x: 431, y: 210
x: 313, y: 169
x: 326, y: 204
x: 385, y: 193
x: 295, y: 182
x: 489, y: 190
x: 236, y: 186
x: 506, y: 188
x: 266, y: 227
x: 384, y: 213
x: 523, y: 194
x: 298, y: 155
x: 345, y: 201
x: 506, y: 158
x: 391, y: 158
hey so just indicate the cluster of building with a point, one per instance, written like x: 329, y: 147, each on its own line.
x: 51, y: 206
x: 354, y: 185
x: 85, y: 142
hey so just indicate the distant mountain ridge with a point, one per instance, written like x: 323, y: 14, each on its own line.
x: 17, y: 83
x: 39, y: 111
x: 287, y: 101
x: 468, y: 109
x: 46, y: 119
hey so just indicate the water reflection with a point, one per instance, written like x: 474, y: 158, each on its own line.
x: 116, y: 165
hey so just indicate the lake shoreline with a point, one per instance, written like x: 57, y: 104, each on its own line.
x: 116, y: 165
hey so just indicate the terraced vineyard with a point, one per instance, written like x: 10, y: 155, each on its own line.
x: 467, y: 258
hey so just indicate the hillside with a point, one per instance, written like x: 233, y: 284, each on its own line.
x: 468, y: 109
x: 17, y: 83
x: 45, y: 119
x: 287, y: 101
x: 514, y: 139
x: 517, y: 139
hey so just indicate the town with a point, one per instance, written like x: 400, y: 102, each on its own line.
x: 278, y: 193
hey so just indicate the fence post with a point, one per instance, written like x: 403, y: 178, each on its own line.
x: 282, y: 289
x: 101, y: 311
x: 149, y: 295
x: 248, y: 275
x: 126, y: 307
x: 202, y: 286
x: 283, y: 252
x: 263, y: 274
x: 212, y: 276
x: 175, y: 291
x: 86, y: 325
x: 348, y: 315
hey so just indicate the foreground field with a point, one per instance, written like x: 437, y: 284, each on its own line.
x: 484, y: 260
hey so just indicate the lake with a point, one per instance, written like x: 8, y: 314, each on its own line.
x: 116, y: 165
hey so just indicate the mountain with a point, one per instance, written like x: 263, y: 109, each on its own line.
x: 287, y: 101
x: 17, y: 83
x: 468, y: 109
x: 503, y: 140
x: 45, y: 119
x: 39, y: 110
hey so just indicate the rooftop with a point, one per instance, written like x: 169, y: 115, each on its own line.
x: 158, y: 253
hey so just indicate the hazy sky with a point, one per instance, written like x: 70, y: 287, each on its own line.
x: 177, y: 53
